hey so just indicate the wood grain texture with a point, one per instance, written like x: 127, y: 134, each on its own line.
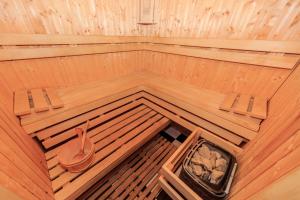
x: 220, y: 76
x: 21, y: 103
x: 39, y: 100
x: 242, y: 103
x: 54, y: 98
x: 228, y: 101
x: 259, y: 108
x: 272, y: 154
x: 174, y: 18
x: 22, y: 162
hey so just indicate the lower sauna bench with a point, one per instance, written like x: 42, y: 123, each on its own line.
x: 119, y: 147
x: 137, y: 176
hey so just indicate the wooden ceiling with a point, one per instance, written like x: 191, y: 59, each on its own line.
x: 251, y: 19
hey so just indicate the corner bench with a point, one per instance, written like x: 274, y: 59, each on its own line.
x: 124, y: 114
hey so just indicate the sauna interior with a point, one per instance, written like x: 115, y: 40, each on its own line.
x: 107, y: 99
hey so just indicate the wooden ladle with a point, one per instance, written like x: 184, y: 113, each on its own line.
x: 82, y: 138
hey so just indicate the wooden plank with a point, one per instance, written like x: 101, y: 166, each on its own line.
x: 70, y: 133
x: 50, y: 154
x: 66, y: 124
x: 117, y: 179
x: 195, y: 119
x: 259, y: 108
x: 55, y: 100
x: 39, y: 101
x: 46, y: 39
x: 168, y: 189
x: 228, y: 102
x: 46, y: 52
x: 286, y: 62
x: 154, y: 172
x: 252, y: 45
x: 286, y: 187
x: 241, y: 106
x: 108, y: 138
x: 205, y: 134
x: 106, y: 151
x: 21, y: 103
x: 205, y: 103
x: 129, y: 183
x: 91, y: 176
x: 41, y: 122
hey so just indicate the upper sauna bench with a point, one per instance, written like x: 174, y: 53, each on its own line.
x: 198, y: 106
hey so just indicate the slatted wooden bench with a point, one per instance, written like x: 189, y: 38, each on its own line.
x: 137, y: 176
x: 116, y: 134
x: 199, y: 106
x: 123, y: 115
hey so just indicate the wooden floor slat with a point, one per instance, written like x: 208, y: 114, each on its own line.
x: 117, y: 173
x: 137, y: 177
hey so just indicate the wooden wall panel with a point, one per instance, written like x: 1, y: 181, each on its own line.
x: 23, y: 168
x: 275, y: 150
x: 217, y: 75
x: 64, y: 71
x: 255, y: 19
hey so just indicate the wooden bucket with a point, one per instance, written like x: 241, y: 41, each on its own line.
x: 77, y: 154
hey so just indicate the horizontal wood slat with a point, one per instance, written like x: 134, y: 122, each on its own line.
x: 107, y: 44
x: 44, y: 52
x: 251, y: 45
x: 228, y: 101
x: 287, y: 62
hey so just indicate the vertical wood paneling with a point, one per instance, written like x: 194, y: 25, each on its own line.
x: 251, y: 19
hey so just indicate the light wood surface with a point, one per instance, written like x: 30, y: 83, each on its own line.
x: 22, y: 163
x: 228, y: 101
x: 276, y: 145
x: 21, y: 103
x: 112, y: 146
x: 40, y: 103
x: 204, y: 19
x: 242, y: 104
x: 90, y: 96
x: 54, y: 99
x: 259, y: 108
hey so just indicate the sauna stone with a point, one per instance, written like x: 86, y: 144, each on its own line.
x: 208, y: 164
